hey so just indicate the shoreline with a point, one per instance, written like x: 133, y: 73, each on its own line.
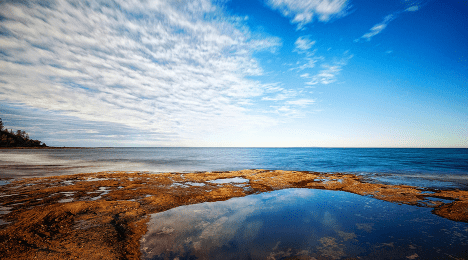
x: 103, y: 215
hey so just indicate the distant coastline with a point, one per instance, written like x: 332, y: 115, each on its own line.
x: 20, y: 138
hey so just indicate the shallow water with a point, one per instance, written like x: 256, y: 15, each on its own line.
x: 4, y: 211
x: 230, y: 180
x: 303, y: 223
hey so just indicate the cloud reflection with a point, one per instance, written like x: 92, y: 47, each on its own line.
x: 300, y: 223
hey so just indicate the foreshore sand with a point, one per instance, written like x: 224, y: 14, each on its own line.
x: 104, y: 215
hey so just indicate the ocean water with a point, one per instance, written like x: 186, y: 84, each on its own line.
x: 425, y: 167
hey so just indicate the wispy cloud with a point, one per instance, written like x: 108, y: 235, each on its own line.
x: 409, y: 6
x: 290, y: 103
x: 303, y: 12
x: 301, y: 102
x: 293, y: 108
x: 282, y: 94
x: 414, y: 5
x: 378, y: 28
x: 162, y: 67
x: 307, y: 62
x: 327, y: 75
x: 328, y: 72
x: 303, y: 44
x: 413, y: 8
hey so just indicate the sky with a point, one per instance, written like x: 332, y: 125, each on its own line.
x: 239, y: 73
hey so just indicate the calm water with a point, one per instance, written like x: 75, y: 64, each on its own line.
x: 446, y: 166
x: 303, y: 224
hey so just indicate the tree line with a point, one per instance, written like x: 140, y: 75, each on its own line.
x: 20, y: 138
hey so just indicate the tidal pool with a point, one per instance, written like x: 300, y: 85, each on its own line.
x: 303, y: 224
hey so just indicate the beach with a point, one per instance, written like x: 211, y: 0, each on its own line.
x: 104, y: 215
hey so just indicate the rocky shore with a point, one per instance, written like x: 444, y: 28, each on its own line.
x: 104, y: 215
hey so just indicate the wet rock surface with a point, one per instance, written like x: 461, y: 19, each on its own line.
x: 104, y: 215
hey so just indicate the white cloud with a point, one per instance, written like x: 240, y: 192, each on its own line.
x: 272, y: 88
x: 214, y: 225
x: 301, y: 102
x: 156, y: 66
x: 328, y: 73
x: 288, y: 103
x: 282, y: 95
x: 414, y: 5
x: 303, y: 44
x: 306, y: 63
x: 378, y: 28
x: 302, y: 12
x: 411, y: 6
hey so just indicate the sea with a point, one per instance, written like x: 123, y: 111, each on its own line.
x: 437, y: 167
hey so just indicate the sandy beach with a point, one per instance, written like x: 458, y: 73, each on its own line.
x: 104, y: 215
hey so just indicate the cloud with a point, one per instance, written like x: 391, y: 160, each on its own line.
x: 282, y: 95
x: 156, y: 66
x: 413, y: 8
x: 207, y: 226
x: 414, y: 5
x: 306, y: 63
x: 302, y: 12
x: 301, y: 102
x: 326, y: 76
x: 289, y: 103
x: 328, y: 73
x: 290, y: 110
x: 410, y: 6
x: 378, y: 28
x: 303, y: 44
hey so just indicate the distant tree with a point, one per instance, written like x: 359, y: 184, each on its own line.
x: 25, y: 135
x: 20, y: 138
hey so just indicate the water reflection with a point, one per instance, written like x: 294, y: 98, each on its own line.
x: 303, y: 224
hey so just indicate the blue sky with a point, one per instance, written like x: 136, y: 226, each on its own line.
x: 272, y: 73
